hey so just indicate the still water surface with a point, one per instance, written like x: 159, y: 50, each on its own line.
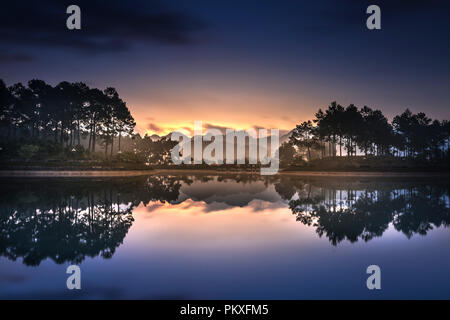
x: 224, y: 237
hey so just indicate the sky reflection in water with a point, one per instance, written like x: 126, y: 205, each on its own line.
x: 229, y: 236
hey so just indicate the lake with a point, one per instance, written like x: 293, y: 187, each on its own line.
x: 229, y: 236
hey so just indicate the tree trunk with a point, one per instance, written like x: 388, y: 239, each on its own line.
x: 112, y: 145
x: 78, y: 132
x: 90, y: 138
x: 62, y: 135
x: 93, y: 138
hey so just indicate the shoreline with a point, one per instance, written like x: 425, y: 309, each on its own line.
x: 131, y: 173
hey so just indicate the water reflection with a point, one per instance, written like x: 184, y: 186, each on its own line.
x: 353, y: 211
x: 68, y: 220
x: 63, y: 222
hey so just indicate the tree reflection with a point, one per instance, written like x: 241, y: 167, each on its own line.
x: 361, y: 212
x: 67, y: 220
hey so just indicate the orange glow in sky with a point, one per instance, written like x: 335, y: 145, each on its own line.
x: 164, y: 113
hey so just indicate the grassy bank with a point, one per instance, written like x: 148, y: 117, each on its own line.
x: 334, y: 164
x: 71, y: 165
x: 371, y: 164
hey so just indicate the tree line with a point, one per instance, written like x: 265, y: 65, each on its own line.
x: 365, y: 131
x: 63, y: 115
x: 75, y: 117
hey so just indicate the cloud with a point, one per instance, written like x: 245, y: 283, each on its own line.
x: 404, y: 6
x: 353, y: 12
x: 208, y: 126
x: 223, y: 129
x: 106, y: 26
x: 259, y: 127
x: 191, y: 132
x: 154, y: 127
x: 6, y: 57
x: 153, y: 207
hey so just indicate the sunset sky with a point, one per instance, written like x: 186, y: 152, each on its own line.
x: 237, y: 64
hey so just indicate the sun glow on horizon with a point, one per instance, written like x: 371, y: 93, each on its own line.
x: 189, y: 131
x: 162, y: 114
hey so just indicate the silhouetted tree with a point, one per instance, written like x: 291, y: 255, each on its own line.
x: 40, y: 113
x: 369, y: 131
x: 304, y: 136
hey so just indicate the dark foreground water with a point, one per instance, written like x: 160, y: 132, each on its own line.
x: 230, y: 236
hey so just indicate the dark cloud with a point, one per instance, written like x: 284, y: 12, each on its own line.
x: 353, y: 12
x: 256, y: 127
x: 404, y: 6
x: 154, y: 127
x: 208, y: 126
x: 106, y: 25
x: 6, y: 57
